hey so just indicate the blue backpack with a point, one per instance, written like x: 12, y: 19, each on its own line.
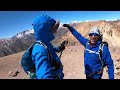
x: 28, y: 65
x: 26, y: 60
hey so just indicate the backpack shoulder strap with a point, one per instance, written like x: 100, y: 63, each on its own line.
x: 87, y: 44
x: 30, y: 48
x: 100, y: 54
x: 49, y: 54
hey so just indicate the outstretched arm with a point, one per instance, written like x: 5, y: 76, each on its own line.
x: 77, y: 35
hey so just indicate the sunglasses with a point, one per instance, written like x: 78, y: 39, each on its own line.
x: 93, y: 34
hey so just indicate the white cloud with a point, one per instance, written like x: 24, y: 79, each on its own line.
x: 89, y: 20
x: 75, y: 21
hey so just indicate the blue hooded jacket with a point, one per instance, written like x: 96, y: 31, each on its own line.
x: 92, y: 62
x: 42, y: 30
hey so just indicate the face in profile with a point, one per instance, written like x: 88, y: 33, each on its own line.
x: 93, y: 38
x: 55, y: 26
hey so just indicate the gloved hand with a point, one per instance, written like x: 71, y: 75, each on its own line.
x: 66, y: 25
x: 61, y: 47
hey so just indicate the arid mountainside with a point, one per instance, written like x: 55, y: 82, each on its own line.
x: 110, y: 30
x: 72, y: 57
x: 22, y: 40
x: 17, y: 43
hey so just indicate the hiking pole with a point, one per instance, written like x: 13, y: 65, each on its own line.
x: 63, y: 44
x: 60, y: 54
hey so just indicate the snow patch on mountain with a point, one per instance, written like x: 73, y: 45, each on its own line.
x: 21, y: 34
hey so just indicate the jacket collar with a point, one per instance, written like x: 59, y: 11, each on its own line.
x: 97, y: 44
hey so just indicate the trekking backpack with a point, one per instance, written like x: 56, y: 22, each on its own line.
x: 26, y: 60
x: 100, y: 56
x: 100, y: 53
x: 28, y: 65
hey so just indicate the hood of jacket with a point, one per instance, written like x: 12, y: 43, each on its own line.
x: 42, y: 28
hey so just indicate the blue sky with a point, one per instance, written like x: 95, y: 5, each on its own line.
x: 13, y: 22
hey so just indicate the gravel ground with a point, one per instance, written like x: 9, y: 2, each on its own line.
x: 72, y: 59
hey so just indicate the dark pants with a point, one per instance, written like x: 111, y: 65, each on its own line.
x: 91, y: 78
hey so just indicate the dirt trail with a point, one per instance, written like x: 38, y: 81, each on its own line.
x: 72, y: 59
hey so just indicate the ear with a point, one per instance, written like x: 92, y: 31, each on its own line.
x: 55, y: 26
x: 100, y: 37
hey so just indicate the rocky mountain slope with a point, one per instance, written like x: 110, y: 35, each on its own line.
x: 110, y: 30
x: 72, y: 59
x: 21, y: 41
x: 16, y: 44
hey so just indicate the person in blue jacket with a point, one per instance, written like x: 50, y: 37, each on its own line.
x: 92, y: 61
x: 47, y: 63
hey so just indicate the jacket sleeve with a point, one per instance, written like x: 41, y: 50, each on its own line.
x: 108, y: 62
x: 56, y: 49
x: 42, y: 63
x: 78, y: 36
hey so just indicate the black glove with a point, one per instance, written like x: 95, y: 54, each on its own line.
x: 66, y: 25
x: 61, y: 47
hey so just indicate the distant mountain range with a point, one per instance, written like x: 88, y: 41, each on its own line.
x: 21, y: 41
x: 17, y: 43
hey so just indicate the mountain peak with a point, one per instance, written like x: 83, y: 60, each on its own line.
x: 26, y: 32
